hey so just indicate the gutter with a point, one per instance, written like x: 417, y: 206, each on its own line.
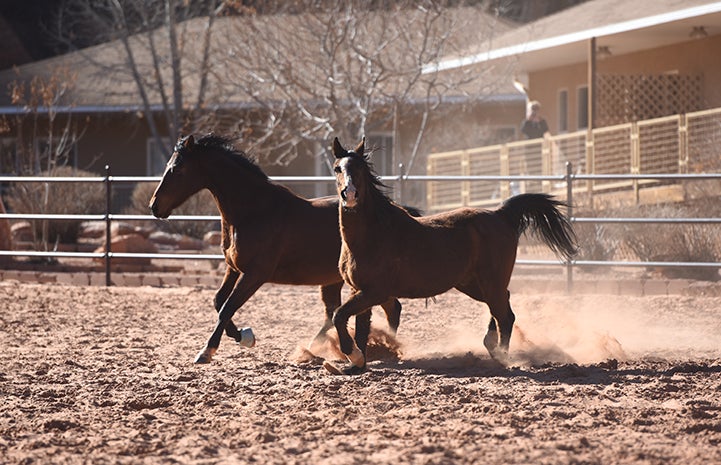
x: 579, y: 36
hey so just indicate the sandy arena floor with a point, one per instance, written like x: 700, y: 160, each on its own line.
x: 95, y: 375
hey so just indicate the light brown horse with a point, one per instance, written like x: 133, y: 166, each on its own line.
x: 386, y: 253
x: 269, y: 234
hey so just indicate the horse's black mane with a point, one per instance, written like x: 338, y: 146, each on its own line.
x: 380, y: 190
x: 224, y: 144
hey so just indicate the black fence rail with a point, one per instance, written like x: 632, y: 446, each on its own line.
x: 398, y: 182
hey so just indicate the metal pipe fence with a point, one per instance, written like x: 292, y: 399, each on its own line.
x: 397, y: 182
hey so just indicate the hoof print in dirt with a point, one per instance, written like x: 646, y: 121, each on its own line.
x: 347, y: 370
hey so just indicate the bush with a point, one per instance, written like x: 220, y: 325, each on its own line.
x: 677, y: 242
x: 201, y: 203
x: 74, y: 198
x: 597, y: 242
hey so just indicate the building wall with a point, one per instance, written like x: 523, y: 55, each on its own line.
x: 691, y: 57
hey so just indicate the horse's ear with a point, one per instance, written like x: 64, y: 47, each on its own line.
x: 189, y: 142
x: 360, y: 150
x: 338, y: 150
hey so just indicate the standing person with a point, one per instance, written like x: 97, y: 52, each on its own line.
x: 534, y: 126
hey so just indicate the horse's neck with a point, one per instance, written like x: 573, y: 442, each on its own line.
x: 237, y: 193
x: 367, y: 224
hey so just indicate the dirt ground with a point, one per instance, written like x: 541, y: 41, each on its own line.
x: 105, y: 375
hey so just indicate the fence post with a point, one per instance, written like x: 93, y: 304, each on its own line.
x: 590, y: 163
x: 569, y: 213
x: 401, y: 182
x: 683, y: 144
x: 108, y: 224
x: 635, y: 159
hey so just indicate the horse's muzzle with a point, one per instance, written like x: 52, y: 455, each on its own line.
x: 155, y: 209
x: 349, y: 197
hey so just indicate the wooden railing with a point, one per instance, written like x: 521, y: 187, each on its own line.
x: 687, y: 143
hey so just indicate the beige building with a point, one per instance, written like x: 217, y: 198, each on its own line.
x: 625, y: 87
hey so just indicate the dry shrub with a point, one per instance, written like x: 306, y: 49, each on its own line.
x: 597, y: 242
x: 201, y: 203
x: 677, y: 242
x: 71, y: 198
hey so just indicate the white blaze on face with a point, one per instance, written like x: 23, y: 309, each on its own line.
x: 348, y: 193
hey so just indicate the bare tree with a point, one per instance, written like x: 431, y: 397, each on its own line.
x: 45, y: 139
x: 156, y: 43
x: 287, y: 75
x: 346, y: 69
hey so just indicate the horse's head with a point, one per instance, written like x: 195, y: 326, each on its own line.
x: 180, y: 179
x: 352, y: 173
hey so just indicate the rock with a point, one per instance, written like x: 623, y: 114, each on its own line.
x: 213, y: 238
x: 176, y: 241
x: 130, y: 243
x: 22, y: 231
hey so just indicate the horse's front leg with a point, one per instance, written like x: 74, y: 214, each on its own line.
x: 330, y: 294
x: 229, y: 280
x: 356, y: 304
x: 244, y: 288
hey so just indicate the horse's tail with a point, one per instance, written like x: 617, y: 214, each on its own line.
x: 541, y: 213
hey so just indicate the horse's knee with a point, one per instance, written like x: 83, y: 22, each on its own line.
x: 218, y: 301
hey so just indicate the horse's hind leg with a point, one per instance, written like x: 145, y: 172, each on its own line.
x: 498, y: 337
x: 330, y: 294
x: 393, y: 314
x: 231, y: 276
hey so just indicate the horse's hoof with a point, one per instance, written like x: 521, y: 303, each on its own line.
x: 347, y: 370
x: 205, y: 355
x: 356, y: 357
x: 246, y: 338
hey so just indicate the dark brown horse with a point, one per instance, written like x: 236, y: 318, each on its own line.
x: 269, y: 234
x: 386, y: 253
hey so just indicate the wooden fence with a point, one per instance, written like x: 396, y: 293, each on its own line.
x: 679, y: 144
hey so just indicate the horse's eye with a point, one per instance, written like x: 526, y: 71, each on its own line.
x: 337, y: 169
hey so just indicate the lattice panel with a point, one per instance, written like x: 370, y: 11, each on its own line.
x: 485, y: 163
x: 444, y: 195
x: 704, y: 142
x: 526, y: 159
x: 567, y: 148
x: 612, y: 153
x: 629, y: 98
x: 659, y: 147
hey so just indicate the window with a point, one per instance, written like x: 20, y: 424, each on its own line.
x: 157, y: 156
x: 381, y: 146
x: 582, y: 106
x: 562, y: 110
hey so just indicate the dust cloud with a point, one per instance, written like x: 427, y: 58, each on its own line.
x: 582, y: 329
